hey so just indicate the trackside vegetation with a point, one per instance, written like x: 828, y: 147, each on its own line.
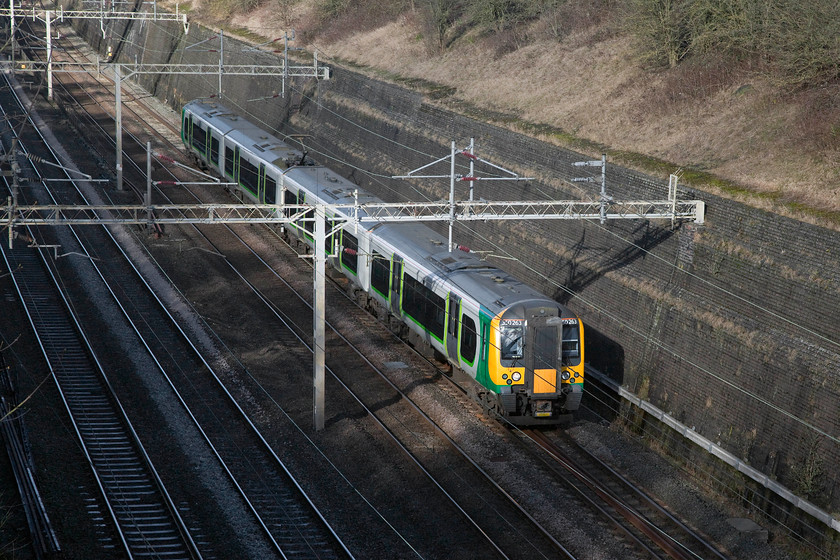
x: 798, y: 43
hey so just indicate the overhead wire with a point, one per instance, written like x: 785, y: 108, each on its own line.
x: 658, y: 343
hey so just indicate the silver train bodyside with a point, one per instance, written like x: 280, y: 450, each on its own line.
x: 523, y: 349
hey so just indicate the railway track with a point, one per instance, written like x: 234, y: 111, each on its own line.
x: 638, y: 517
x: 15, y: 437
x: 291, y: 522
x: 146, y: 521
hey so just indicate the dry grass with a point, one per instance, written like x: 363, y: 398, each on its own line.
x: 729, y: 122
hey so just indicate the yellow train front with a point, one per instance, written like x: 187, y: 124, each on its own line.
x: 535, y: 362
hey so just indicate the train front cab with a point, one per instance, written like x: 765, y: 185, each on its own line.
x: 536, y: 361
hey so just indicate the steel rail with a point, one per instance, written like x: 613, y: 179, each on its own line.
x: 278, y: 533
x: 15, y: 439
x: 662, y: 539
x: 388, y: 208
x: 295, y: 329
x: 118, y: 453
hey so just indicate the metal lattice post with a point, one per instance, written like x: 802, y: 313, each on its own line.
x: 221, y: 59
x: 672, y: 197
x: 49, y: 57
x: 319, y: 318
x: 149, y: 185
x: 603, y: 188
x: 451, y: 196
x: 118, y: 121
x: 12, y: 28
x: 605, y: 200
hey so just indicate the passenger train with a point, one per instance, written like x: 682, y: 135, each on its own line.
x: 524, y: 350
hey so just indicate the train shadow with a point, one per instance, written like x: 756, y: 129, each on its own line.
x: 588, y: 262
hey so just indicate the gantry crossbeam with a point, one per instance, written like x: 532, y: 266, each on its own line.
x: 145, y: 68
x: 36, y: 215
x: 59, y: 14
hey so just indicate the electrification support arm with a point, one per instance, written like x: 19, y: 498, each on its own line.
x: 470, y: 178
x: 319, y: 318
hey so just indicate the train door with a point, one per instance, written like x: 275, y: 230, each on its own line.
x: 543, y: 342
x: 186, y: 131
x: 236, y: 164
x: 452, y: 327
x: 261, y: 184
x: 396, y: 279
x: 270, y: 185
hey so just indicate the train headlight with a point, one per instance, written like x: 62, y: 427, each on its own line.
x: 565, y: 375
x: 516, y: 376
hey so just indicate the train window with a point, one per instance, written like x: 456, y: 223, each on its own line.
x: 248, y: 175
x: 545, y: 347
x: 270, y: 190
x: 229, y: 155
x: 511, y: 339
x: 468, y: 339
x: 350, y: 256
x: 424, y: 306
x: 214, y: 149
x: 199, y: 138
x: 380, y: 274
x: 570, y: 345
x: 289, y: 199
x: 396, y: 278
x: 454, y: 311
x: 329, y: 240
x: 308, y: 216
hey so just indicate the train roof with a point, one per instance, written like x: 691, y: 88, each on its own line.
x: 243, y: 132
x: 474, y: 277
x: 329, y: 186
x: 415, y: 242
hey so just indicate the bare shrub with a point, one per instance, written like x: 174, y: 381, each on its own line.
x: 818, y: 121
x: 694, y: 80
x: 439, y: 16
x: 225, y: 8
x: 803, y: 44
x: 285, y: 12
x: 499, y: 15
x: 559, y: 18
x: 333, y: 8
x: 502, y: 43
x: 661, y: 29
x: 341, y: 18
x: 809, y: 475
